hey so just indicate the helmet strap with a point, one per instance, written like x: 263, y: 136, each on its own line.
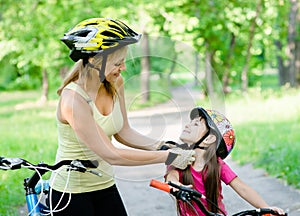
x: 201, y: 147
x: 101, y: 70
x: 197, y: 144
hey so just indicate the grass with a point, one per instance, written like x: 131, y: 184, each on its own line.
x: 266, y: 124
x: 27, y: 130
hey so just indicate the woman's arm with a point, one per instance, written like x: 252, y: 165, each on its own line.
x: 128, y: 136
x: 74, y: 110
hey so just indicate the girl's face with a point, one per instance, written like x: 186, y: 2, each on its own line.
x: 194, y: 130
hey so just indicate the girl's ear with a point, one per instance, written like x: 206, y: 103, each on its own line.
x: 210, y: 139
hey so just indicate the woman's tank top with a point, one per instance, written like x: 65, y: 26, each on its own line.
x: 71, y: 147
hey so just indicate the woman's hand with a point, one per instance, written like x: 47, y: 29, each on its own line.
x: 180, y: 158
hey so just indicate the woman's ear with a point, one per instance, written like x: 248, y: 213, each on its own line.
x: 210, y: 139
x: 91, y: 59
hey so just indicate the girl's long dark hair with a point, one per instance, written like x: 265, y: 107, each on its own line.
x: 210, y: 175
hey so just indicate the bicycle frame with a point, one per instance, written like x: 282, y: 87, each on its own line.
x: 187, y: 194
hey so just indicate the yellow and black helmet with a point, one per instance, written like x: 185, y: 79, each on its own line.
x: 98, y: 35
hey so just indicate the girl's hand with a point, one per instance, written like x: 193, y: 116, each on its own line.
x: 278, y: 210
x: 180, y: 184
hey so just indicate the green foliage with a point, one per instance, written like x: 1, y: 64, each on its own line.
x: 30, y: 33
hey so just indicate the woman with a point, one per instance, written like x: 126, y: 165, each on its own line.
x: 91, y: 110
x: 212, y: 137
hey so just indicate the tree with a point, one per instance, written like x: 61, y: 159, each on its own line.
x: 292, y: 42
x: 145, y: 69
x: 249, y: 46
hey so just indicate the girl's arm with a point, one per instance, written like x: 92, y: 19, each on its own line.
x: 247, y: 193
x: 128, y: 136
x: 172, y: 176
x: 250, y: 195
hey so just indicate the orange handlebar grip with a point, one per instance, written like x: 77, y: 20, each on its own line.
x: 160, y: 185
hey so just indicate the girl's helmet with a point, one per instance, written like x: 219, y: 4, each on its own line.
x: 98, y: 35
x: 220, y: 126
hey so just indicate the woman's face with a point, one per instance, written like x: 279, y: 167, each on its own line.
x: 115, y: 65
x: 115, y: 70
x: 194, y: 131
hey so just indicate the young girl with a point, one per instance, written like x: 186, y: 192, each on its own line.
x: 212, y: 136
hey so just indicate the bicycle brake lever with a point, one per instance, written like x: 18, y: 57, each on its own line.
x: 76, y: 165
x: 181, y: 195
x: 80, y: 166
x: 95, y: 173
x: 89, y: 163
x: 11, y: 163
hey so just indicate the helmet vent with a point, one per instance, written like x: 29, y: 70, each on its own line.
x: 109, y: 34
x: 83, y: 33
x: 117, y: 28
x: 88, y: 24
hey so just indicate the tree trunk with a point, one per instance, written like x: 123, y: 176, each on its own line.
x: 196, y: 83
x: 298, y: 62
x: 291, y: 48
x: 208, y: 72
x: 172, y: 68
x: 145, y: 69
x: 227, y: 65
x: 248, y: 55
x: 298, y: 47
x: 45, y: 86
x: 280, y: 65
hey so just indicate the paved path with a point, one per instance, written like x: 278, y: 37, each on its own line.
x: 165, y: 122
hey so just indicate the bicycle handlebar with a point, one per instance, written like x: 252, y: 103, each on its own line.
x: 17, y: 163
x: 42, y: 168
x: 185, y: 194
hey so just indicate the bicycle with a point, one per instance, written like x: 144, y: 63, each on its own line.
x: 187, y: 195
x: 35, y: 186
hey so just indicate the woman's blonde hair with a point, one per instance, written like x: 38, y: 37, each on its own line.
x: 82, y: 70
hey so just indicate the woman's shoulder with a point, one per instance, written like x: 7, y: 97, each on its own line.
x: 70, y: 98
